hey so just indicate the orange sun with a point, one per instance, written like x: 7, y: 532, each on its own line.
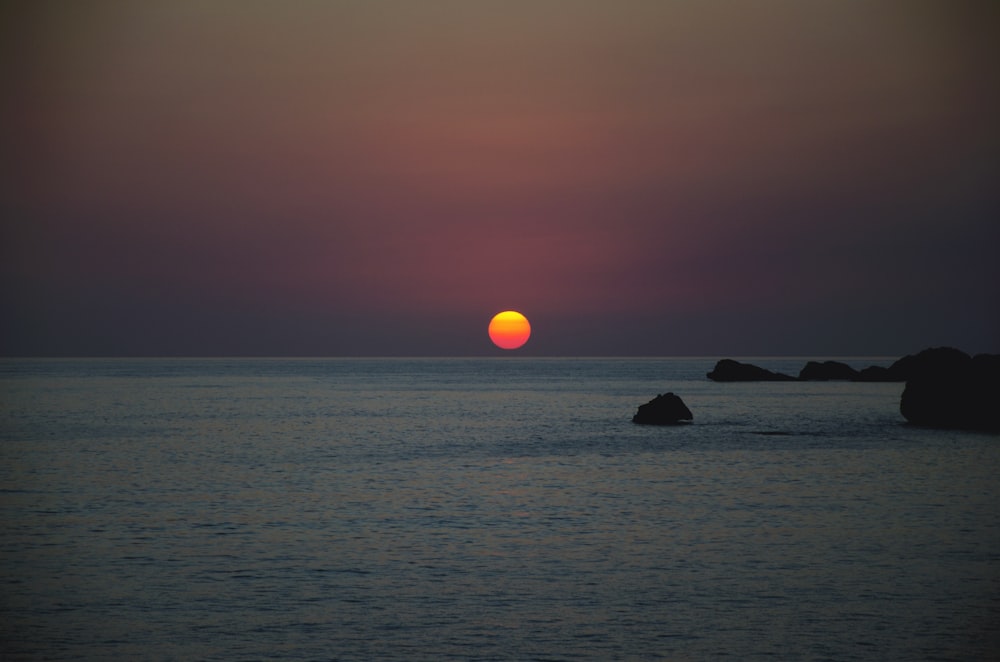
x: 509, y: 329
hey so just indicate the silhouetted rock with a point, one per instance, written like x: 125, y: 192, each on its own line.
x: 929, y: 361
x: 666, y: 409
x: 946, y: 388
x: 912, y: 364
x: 875, y: 373
x: 826, y: 371
x: 728, y: 370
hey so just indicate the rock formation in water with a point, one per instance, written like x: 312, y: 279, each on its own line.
x: 666, y: 409
x: 876, y: 373
x: 929, y: 360
x: 946, y: 388
x: 827, y: 371
x: 728, y: 370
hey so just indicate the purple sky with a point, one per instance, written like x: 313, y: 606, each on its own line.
x: 380, y: 178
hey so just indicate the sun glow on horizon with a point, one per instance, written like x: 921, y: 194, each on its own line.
x: 509, y: 329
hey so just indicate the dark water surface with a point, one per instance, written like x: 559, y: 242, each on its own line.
x: 483, y: 509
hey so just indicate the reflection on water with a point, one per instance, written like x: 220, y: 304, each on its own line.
x: 427, y: 510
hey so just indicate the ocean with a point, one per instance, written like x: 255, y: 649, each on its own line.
x: 484, y: 509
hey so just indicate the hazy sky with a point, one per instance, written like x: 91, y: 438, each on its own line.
x: 380, y: 177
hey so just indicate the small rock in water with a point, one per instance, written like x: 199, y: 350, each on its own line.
x: 666, y: 409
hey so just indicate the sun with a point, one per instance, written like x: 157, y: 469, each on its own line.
x: 509, y: 329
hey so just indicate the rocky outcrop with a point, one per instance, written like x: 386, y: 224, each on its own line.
x: 728, y: 370
x: 946, y: 388
x: 912, y: 364
x: 666, y: 409
x: 876, y: 373
x: 930, y: 361
x: 827, y: 371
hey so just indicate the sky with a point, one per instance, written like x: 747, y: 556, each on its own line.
x: 639, y: 178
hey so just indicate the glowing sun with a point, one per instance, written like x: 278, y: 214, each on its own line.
x: 509, y: 329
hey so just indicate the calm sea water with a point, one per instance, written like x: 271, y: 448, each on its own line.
x: 483, y: 509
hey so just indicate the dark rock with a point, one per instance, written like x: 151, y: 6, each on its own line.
x: 875, y: 373
x: 933, y: 360
x: 912, y: 364
x: 947, y: 388
x: 666, y: 409
x: 826, y: 371
x: 728, y: 370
